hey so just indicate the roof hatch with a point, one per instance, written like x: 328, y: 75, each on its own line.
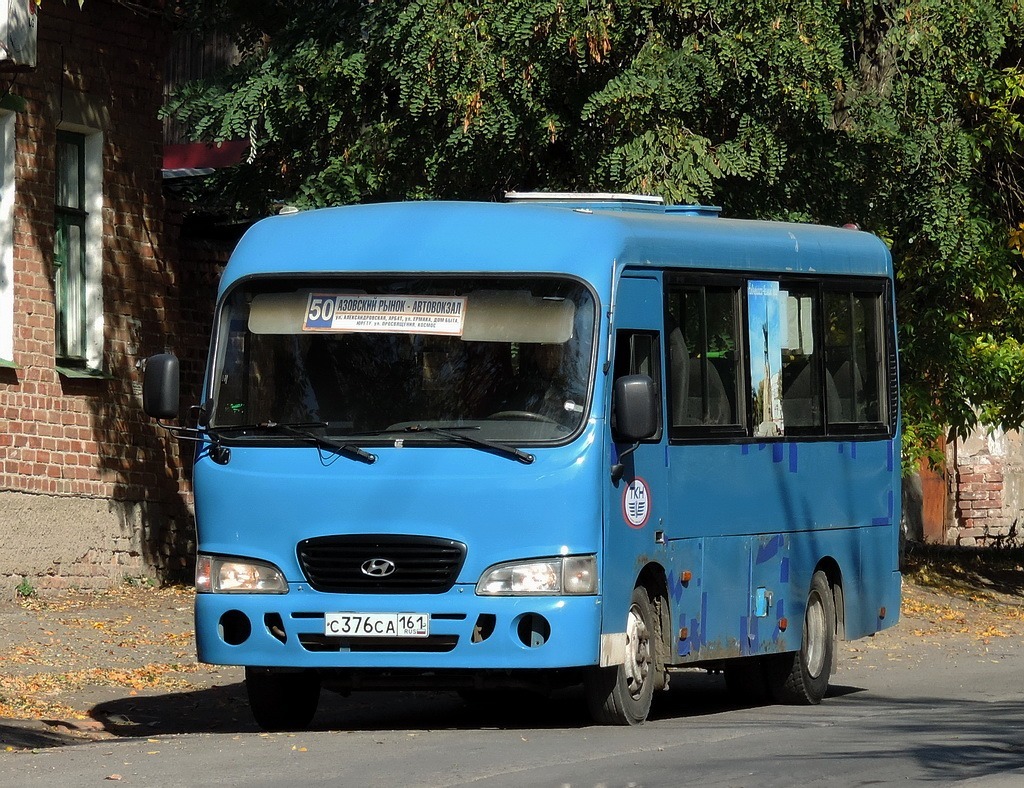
x: 611, y: 201
x: 593, y: 200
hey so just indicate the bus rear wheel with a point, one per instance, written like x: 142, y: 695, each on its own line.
x: 801, y: 677
x: 622, y: 695
x: 282, y: 701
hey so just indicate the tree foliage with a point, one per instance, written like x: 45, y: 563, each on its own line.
x: 906, y: 116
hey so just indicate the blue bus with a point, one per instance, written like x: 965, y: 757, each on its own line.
x: 568, y: 439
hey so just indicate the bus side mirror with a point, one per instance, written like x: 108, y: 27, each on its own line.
x: 636, y: 409
x: 160, y: 386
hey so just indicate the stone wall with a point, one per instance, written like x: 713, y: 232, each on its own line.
x: 59, y: 542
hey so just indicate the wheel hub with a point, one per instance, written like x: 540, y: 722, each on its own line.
x: 814, y: 636
x: 638, y: 652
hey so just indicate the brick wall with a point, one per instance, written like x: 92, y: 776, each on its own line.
x: 987, y: 478
x: 203, y: 253
x: 90, y: 489
x: 979, y: 502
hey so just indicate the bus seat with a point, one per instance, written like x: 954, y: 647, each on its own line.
x: 849, y: 392
x: 800, y: 401
x: 723, y: 390
x: 719, y: 406
x: 800, y: 406
x: 679, y: 375
x: 836, y: 405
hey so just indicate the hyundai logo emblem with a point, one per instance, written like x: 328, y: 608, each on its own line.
x: 378, y: 567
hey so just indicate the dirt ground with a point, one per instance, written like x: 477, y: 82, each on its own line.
x: 92, y: 665
x: 109, y: 663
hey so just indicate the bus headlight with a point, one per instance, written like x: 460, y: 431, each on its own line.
x: 216, y: 575
x: 570, y: 575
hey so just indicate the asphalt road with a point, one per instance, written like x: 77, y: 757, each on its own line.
x: 939, y: 700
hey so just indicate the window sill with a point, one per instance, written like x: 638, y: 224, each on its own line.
x: 81, y: 373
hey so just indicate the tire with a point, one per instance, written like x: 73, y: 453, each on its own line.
x: 282, y: 701
x: 621, y: 695
x: 801, y: 677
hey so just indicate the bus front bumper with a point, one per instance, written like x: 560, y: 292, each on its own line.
x: 466, y: 631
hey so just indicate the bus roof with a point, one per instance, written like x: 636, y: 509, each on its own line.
x: 584, y: 238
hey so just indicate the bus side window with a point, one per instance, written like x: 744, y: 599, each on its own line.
x: 802, y: 405
x: 853, y: 355
x: 701, y: 329
x: 829, y: 344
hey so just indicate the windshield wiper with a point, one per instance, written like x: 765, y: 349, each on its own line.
x: 457, y: 434
x: 300, y: 429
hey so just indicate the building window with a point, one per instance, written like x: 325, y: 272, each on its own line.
x: 69, y: 248
x: 6, y: 239
x: 77, y: 251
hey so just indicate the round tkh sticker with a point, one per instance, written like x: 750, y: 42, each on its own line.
x: 636, y: 503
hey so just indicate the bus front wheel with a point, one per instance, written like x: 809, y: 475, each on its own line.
x: 801, y: 677
x: 282, y: 701
x: 621, y: 695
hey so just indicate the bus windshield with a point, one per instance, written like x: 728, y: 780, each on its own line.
x: 405, y: 358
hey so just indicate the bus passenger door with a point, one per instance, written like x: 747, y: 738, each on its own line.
x: 635, y: 492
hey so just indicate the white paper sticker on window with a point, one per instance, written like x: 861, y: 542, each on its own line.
x: 765, y: 302
x: 382, y: 314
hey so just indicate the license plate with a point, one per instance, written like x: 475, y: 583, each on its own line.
x: 377, y: 625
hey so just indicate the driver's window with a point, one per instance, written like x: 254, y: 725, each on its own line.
x: 637, y: 353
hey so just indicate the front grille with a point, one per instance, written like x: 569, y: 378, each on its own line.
x: 422, y: 564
